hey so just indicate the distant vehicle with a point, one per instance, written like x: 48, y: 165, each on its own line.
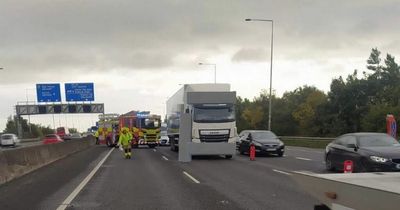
x: 164, y: 140
x: 86, y: 134
x: 212, y: 111
x: 146, y: 127
x: 9, y: 139
x: 369, y: 152
x: 63, y: 133
x: 76, y: 136
x: 52, y: 138
x: 265, y: 142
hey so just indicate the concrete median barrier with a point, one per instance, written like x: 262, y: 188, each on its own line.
x: 15, y: 163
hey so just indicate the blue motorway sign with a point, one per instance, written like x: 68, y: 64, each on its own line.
x: 79, y: 91
x: 48, y: 92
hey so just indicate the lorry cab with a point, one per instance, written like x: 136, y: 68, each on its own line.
x: 213, y: 123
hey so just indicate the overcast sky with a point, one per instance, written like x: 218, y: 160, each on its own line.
x: 138, y: 52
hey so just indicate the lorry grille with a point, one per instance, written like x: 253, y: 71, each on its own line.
x: 151, y: 137
x: 214, y: 138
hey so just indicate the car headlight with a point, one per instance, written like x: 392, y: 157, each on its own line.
x: 281, y: 144
x: 379, y: 159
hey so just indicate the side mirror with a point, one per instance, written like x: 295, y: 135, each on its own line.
x: 353, y: 146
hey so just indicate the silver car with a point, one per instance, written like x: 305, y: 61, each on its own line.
x: 9, y: 139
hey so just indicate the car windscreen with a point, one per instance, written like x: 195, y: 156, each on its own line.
x: 264, y: 136
x: 6, y: 137
x: 213, y: 114
x: 377, y: 141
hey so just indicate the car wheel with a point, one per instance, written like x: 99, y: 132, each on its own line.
x: 152, y: 145
x: 228, y: 156
x: 328, y: 164
x: 280, y: 154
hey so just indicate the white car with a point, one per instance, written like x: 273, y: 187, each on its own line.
x: 164, y: 140
x: 9, y: 139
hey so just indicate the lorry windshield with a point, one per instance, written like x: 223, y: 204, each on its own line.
x: 214, y: 114
x: 152, y: 123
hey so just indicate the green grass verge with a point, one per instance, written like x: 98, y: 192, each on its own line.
x: 306, y: 143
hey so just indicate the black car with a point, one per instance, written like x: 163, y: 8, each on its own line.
x: 370, y: 152
x: 265, y: 142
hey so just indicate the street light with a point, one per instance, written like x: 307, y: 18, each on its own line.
x: 215, y: 69
x: 270, y: 71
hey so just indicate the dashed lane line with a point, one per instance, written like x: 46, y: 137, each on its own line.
x: 282, y: 172
x: 301, y: 158
x: 165, y: 158
x: 191, y: 177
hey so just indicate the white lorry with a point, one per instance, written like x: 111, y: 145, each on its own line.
x: 349, y: 191
x: 212, y: 110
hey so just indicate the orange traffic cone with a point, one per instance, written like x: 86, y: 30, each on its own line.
x: 348, y: 166
x: 252, y: 152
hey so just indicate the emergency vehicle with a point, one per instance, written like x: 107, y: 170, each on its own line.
x: 145, y: 127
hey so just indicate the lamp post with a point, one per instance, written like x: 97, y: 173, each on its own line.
x: 215, y: 69
x: 270, y: 71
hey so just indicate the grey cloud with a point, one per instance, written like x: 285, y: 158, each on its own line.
x: 250, y: 55
x: 42, y: 37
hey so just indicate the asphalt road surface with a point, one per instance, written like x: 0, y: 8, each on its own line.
x: 154, y: 179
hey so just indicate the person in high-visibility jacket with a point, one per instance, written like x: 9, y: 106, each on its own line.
x: 125, y: 140
x: 97, y: 134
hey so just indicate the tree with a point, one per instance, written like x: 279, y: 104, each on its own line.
x: 73, y: 130
x: 305, y: 113
x: 254, y: 116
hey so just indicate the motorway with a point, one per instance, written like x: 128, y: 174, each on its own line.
x: 154, y: 179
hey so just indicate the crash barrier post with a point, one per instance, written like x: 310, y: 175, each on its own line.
x: 252, y: 152
x: 348, y: 166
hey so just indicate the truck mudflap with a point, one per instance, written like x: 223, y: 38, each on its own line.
x: 366, y: 191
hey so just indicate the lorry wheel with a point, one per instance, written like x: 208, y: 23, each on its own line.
x: 228, y: 156
x: 135, y: 146
x: 174, y: 148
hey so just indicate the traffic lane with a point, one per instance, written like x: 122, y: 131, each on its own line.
x: 29, y: 144
x: 286, y: 163
x: 309, y: 153
x: 252, y: 184
x: 46, y: 187
x: 147, y: 181
x: 292, y: 161
x: 20, y: 145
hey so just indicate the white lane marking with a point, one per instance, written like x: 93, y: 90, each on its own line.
x: 284, y: 155
x: 165, y: 158
x: 74, y: 193
x: 303, y: 150
x: 282, y: 172
x: 154, y: 150
x: 301, y: 158
x: 191, y: 177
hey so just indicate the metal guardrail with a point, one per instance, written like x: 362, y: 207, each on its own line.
x: 306, y: 138
x: 30, y: 140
